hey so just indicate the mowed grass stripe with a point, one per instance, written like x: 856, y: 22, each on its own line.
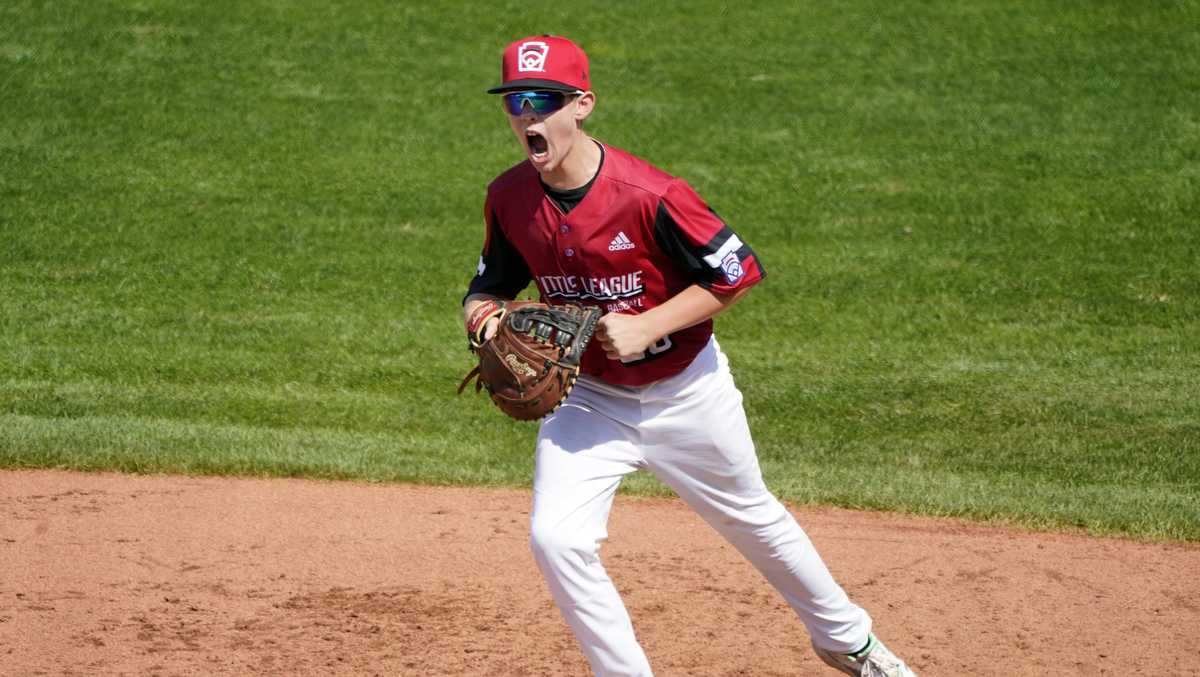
x: 170, y: 446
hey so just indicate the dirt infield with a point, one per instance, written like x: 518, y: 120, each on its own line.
x: 132, y: 575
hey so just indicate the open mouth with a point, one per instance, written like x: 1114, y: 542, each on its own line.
x: 538, y: 147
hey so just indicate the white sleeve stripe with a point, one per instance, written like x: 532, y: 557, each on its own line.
x: 731, y: 245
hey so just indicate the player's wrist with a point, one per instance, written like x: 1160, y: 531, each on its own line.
x: 482, y: 315
x: 473, y: 302
x: 652, y: 327
x: 650, y: 332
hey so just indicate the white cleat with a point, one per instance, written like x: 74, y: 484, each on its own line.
x: 876, y: 660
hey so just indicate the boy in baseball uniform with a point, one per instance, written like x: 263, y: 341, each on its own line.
x: 591, y: 224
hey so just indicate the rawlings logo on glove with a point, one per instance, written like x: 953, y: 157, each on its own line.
x: 532, y: 361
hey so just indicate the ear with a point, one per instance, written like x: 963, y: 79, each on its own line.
x: 584, y: 105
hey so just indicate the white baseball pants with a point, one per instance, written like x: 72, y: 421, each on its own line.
x: 689, y: 430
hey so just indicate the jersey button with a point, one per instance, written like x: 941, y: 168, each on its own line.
x: 569, y: 252
x: 564, y: 228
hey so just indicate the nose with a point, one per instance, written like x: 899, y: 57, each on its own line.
x: 527, y: 112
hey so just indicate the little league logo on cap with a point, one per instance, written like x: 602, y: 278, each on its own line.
x: 531, y: 56
x: 543, y: 62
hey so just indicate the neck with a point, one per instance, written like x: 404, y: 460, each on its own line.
x: 578, y: 166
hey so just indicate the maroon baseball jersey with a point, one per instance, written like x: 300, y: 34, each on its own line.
x: 636, y: 237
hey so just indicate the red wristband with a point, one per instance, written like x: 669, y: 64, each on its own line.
x: 480, y: 314
x: 479, y: 318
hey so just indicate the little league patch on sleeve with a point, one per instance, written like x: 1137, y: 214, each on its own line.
x: 732, y: 266
x: 726, y: 258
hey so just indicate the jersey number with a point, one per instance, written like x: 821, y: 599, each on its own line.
x: 661, y: 346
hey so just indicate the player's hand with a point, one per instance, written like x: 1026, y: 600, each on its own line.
x: 475, y: 312
x: 624, y: 337
x: 490, y: 327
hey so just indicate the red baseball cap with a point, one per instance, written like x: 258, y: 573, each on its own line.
x: 543, y: 62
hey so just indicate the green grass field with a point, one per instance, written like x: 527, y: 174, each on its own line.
x: 235, y: 236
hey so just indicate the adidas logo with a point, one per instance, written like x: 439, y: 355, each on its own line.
x: 620, y: 242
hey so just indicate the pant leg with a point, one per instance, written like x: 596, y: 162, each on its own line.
x: 581, y: 457
x: 699, y: 444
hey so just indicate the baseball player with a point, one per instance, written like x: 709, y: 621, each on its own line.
x: 592, y: 224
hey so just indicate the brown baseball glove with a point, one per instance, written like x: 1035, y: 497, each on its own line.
x: 532, y: 361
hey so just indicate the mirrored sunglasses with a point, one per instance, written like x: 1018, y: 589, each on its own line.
x: 542, y: 102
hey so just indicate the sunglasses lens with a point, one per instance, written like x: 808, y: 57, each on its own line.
x: 542, y: 103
